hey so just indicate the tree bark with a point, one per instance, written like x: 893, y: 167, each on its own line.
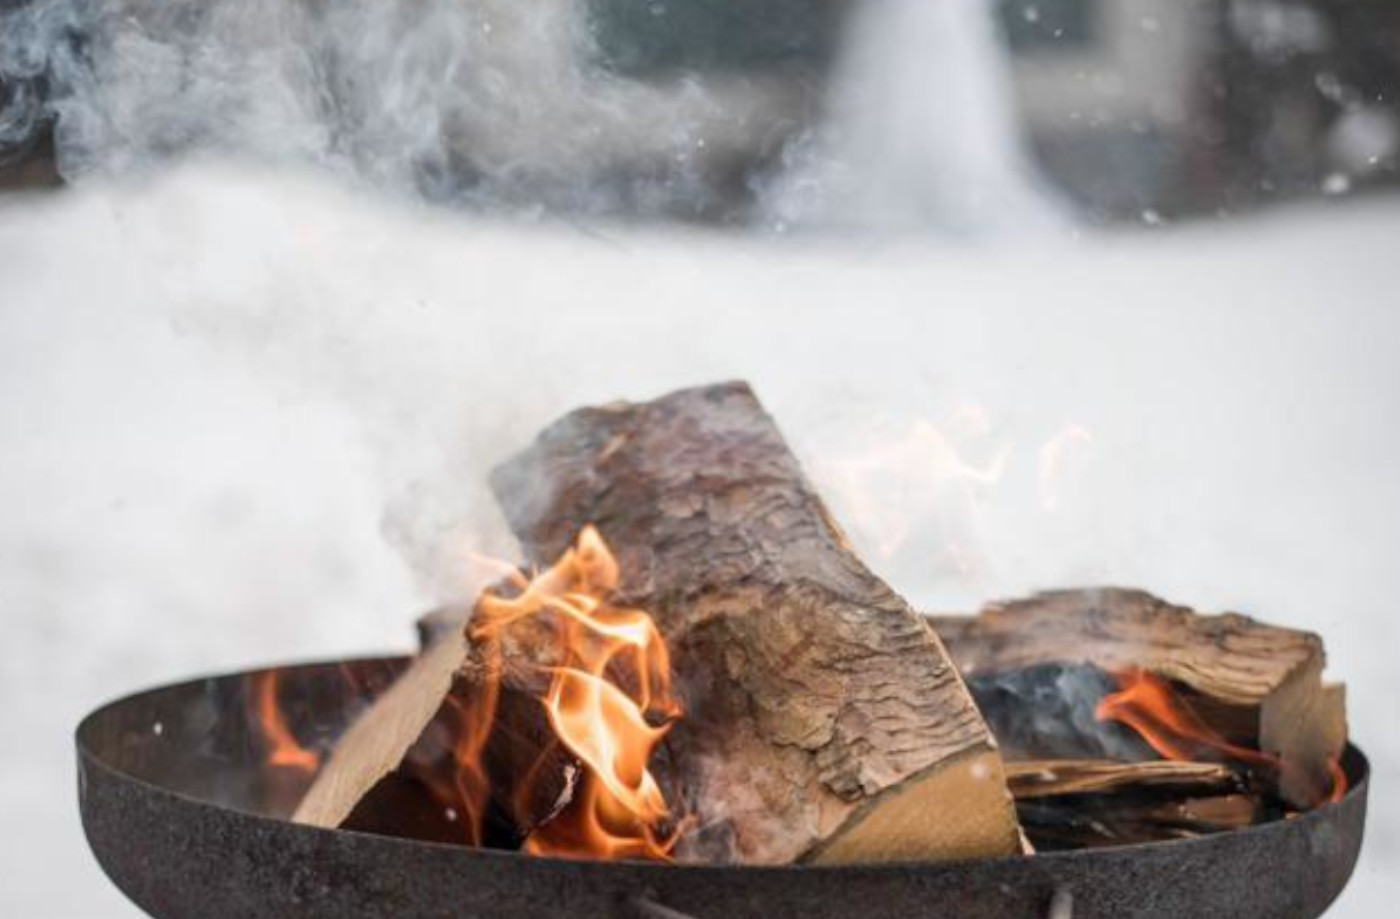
x: 824, y: 720
x: 1256, y: 685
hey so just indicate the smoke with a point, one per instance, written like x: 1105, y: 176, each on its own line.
x: 514, y: 106
x: 490, y: 101
x: 30, y: 37
x: 923, y: 131
x: 1047, y: 712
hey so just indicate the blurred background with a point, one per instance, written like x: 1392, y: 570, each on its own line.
x: 1044, y: 293
x: 1133, y: 110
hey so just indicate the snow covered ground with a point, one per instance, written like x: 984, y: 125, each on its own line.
x: 245, y: 418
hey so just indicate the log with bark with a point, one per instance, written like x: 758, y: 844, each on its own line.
x: 1256, y: 685
x: 824, y: 720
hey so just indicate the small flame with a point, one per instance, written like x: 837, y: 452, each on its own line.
x: 1146, y: 704
x: 284, y: 749
x: 1340, y: 785
x: 609, y: 702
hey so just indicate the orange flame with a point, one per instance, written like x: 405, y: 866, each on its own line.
x: 477, y: 717
x: 1339, y: 781
x: 1146, y: 704
x: 609, y: 702
x: 284, y: 749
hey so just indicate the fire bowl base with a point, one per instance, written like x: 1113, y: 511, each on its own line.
x: 188, y: 821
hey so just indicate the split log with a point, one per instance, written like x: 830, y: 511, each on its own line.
x: 824, y: 721
x: 1056, y: 778
x: 377, y: 743
x: 1075, y: 804
x: 395, y: 771
x: 1092, y: 821
x: 1254, y: 684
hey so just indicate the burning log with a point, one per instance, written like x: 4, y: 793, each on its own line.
x: 379, y: 741
x: 536, y: 719
x: 1226, y: 685
x: 824, y: 720
x: 398, y: 770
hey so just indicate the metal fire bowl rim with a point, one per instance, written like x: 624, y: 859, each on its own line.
x: 1356, y: 764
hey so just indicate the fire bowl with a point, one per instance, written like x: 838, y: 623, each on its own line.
x: 187, y: 817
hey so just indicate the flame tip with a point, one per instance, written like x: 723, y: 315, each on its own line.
x: 620, y: 807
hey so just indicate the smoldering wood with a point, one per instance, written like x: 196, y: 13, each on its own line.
x: 824, y: 719
x: 1032, y: 779
x: 403, y: 806
x: 1092, y: 821
x: 394, y: 772
x: 377, y: 742
x: 1255, y: 684
x: 1034, y: 714
x: 1048, y: 712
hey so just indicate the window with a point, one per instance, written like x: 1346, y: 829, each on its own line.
x: 647, y: 36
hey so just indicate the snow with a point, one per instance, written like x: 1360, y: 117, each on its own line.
x: 246, y: 418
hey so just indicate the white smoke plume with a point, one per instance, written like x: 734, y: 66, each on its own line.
x: 489, y: 100
x: 922, y: 131
x: 512, y: 105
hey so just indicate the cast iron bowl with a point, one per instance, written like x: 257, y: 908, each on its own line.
x: 187, y: 819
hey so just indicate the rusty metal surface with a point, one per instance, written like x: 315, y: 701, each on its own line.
x: 185, y: 820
